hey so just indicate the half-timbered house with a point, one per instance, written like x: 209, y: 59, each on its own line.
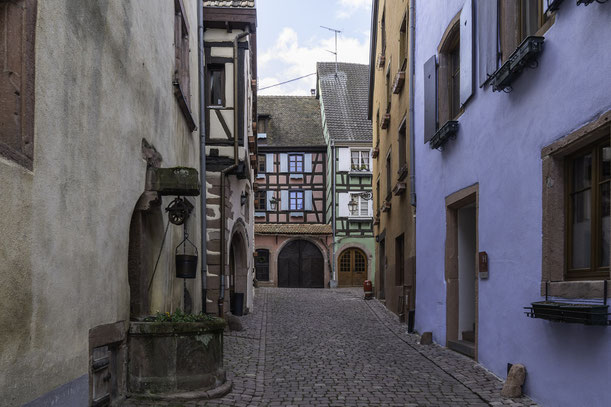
x: 342, y: 91
x: 230, y: 106
x: 292, y: 234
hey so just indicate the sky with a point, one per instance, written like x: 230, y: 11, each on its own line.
x: 290, y: 40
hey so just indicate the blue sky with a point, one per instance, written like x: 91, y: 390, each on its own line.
x: 290, y: 40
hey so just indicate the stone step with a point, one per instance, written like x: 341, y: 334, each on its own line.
x: 464, y: 347
x: 468, y: 336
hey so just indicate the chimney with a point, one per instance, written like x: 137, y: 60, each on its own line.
x: 313, y: 92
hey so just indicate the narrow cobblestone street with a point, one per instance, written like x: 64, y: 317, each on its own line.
x: 309, y: 347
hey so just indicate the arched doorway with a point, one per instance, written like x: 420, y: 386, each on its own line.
x: 352, y: 267
x: 238, y: 273
x: 300, y: 264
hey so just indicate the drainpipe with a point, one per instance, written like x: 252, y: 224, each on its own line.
x: 227, y: 170
x: 202, y: 153
x: 333, y: 207
x: 412, y: 154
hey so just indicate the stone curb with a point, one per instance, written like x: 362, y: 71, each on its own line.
x: 217, y: 392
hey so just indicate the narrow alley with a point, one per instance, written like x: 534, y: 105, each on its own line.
x: 317, y: 347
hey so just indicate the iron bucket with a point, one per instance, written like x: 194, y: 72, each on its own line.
x: 186, y: 265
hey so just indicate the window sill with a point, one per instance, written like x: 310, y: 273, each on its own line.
x: 259, y: 214
x: 296, y: 176
x: 296, y: 214
x: 359, y: 219
x: 184, y: 106
x: 358, y: 173
x: 591, y: 289
x: 260, y: 176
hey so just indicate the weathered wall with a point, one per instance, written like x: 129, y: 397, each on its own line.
x: 104, y: 72
x: 499, y: 146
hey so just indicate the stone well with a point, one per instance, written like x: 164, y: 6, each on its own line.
x: 176, y: 360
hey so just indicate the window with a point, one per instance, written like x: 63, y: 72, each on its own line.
x: 388, y: 178
x: 388, y: 87
x: 361, y: 209
x: 403, y: 44
x: 588, y: 194
x: 263, y: 124
x: 261, y: 163
x: 576, y: 215
x: 181, y: 45
x: 359, y: 160
x: 296, y: 200
x: 449, y: 76
x: 216, y: 84
x: 377, y: 192
x: 17, y: 30
x: 402, y: 145
x: 295, y: 163
x: 399, y: 260
x: 260, y: 201
x: 383, y: 31
x: 518, y: 20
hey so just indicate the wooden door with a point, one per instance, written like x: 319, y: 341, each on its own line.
x: 262, y: 265
x: 352, y: 268
x: 300, y: 264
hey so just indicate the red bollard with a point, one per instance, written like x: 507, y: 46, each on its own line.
x: 368, y: 288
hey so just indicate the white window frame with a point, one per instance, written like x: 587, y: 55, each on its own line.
x: 361, y: 162
x: 362, y: 204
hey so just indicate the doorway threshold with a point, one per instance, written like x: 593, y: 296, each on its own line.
x: 461, y: 346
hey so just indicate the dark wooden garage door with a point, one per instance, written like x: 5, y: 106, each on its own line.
x: 300, y: 264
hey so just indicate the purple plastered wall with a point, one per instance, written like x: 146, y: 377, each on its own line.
x: 499, y: 147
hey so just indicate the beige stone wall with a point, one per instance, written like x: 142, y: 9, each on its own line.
x: 400, y: 219
x: 104, y: 73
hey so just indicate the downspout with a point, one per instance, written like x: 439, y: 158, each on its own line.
x: 412, y: 136
x: 202, y: 154
x: 333, y: 207
x: 227, y: 170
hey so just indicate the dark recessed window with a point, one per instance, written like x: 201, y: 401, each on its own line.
x: 216, y: 83
x: 261, y: 163
x: 260, y: 201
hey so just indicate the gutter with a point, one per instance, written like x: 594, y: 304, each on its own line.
x: 412, y: 136
x: 224, y: 172
x: 333, y: 207
x: 202, y: 155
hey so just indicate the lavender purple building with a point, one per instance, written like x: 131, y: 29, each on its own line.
x: 513, y: 102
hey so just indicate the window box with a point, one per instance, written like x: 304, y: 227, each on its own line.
x: 447, y: 131
x: 587, y: 2
x: 252, y: 143
x: 402, y: 172
x: 525, y: 55
x: 399, y: 82
x: 399, y: 188
x: 361, y: 173
x: 253, y: 160
x: 175, y: 181
x: 261, y: 135
x: 376, y: 220
x: 296, y: 176
x: 385, y: 206
x: 359, y: 219
x: 385, y: 120
x: 587, y: 314
x: 375, y: 152
x: 259, y: 214
x: 296, y: 214
x: 381, y: 61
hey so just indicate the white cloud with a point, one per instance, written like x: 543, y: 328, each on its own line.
x: 349, y: 7
x: 288, y: 59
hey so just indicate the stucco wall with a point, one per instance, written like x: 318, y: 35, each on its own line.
x: 104, y: 72
x: 499, y: 146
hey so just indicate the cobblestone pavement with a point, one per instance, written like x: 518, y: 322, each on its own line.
x: 329, y: 347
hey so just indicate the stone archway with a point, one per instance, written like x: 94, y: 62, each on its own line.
x: 238, y: 269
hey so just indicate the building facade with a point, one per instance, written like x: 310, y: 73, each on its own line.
x: 512, y: 113
x: 342, y: 92
x: 393, y: 172
x: 230, y: 116
x: 96, y: 98
x: 292, y: 235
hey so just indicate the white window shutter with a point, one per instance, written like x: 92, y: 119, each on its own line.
x: 270, y: 195
x: 269, y: 162
x: 284, y: 163
x: 308, y: 200
x: 307, y: 162
x: 466, y: 52
x: 487, y: 31
x: 343, y: 198
x: 284, y: 200
x: 370, y: 208
x: 343, y: 155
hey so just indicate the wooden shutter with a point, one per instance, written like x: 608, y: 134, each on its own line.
x: 308, y: 200
x: 270, y: 195
x: 284, y: 200
x: 486, y: 39
x: 466, y: 52
x: 343, y: 198
x: 307, y: 163
x: 284, y: 163
x: 269, y: 162
x: 430, y: 98
x: 343, y: 155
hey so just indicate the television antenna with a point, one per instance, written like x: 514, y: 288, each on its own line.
x: 334, y: 53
